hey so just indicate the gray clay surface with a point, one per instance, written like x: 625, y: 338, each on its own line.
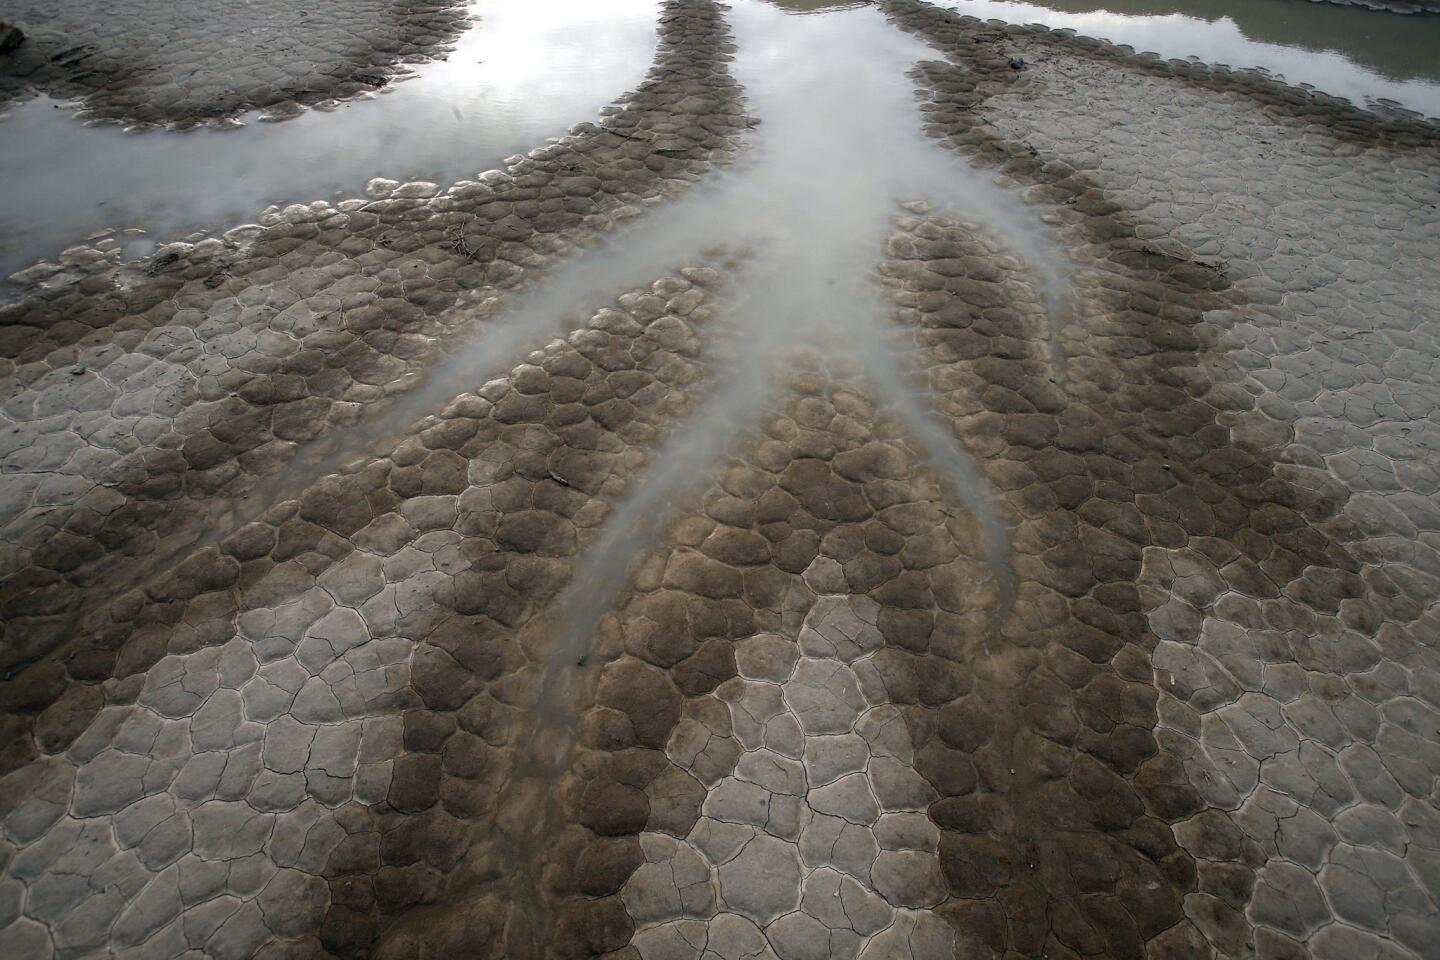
x: 149, y: 62
x: 1157, y: 678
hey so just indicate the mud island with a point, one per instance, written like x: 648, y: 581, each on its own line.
x: 890, y: 484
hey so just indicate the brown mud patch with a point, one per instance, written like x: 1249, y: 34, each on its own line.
x: 446, y: 873
x: 358, y: 659
x: 822, y: 499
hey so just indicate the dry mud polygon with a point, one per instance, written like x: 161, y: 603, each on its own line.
x: 147, y: 62
x: 1253, y: 465
x: 1196, y: 714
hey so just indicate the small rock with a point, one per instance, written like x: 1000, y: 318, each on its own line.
x: 1017, y: 63
x: 11, y: 37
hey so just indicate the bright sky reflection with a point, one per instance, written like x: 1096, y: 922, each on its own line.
x: 525, y: 72
x: 1317, y: 58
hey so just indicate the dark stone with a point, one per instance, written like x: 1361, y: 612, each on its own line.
x: 706, y: 669
x: 588, y: 928
x: 11, y: 37
x: 535, y: 531
x: 645, y: 695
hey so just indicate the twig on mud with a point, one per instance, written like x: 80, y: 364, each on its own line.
x: 459, y: 242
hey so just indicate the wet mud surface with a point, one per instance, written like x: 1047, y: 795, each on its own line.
x: 494, y: 92
x: 1144, y: 667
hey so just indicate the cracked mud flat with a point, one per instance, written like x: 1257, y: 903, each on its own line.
x: 1042, y: 568
x: 148, y: 63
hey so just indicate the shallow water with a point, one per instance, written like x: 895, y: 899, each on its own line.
x: 1349, y: 52
x: 511, y: 81
x: 809, y: 208
x: 817, y: 6
x: 802, y: 219
x: 518, y: 78
x: 808, y: 211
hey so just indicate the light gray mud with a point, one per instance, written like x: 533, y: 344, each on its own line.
x: 1179, y: 449
x: 1079, y: 799
x: 1079, y: 600
x: 148, y: 63
x: 666, y: 136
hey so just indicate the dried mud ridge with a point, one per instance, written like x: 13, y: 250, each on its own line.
x: 1208, y: 726
x: 1390, y: 6
x: 150, y: 63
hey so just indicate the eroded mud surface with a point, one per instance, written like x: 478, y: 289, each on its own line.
x: 1250, y: 432
x: 1082, y: 622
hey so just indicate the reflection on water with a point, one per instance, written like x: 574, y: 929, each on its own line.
x: 817, y: 6
x: 525, y: 73
x: 1352, y: 53
x: 519, y: 76
x: 811, y: 209
x: 1399, y: 48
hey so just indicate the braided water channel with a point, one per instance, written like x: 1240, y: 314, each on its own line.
x: 807, y: 212
x: 808, y: 209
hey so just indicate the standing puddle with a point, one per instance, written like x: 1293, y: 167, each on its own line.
x: 520, y: 74
x: 1348, y: 52
x: 809, y: 211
